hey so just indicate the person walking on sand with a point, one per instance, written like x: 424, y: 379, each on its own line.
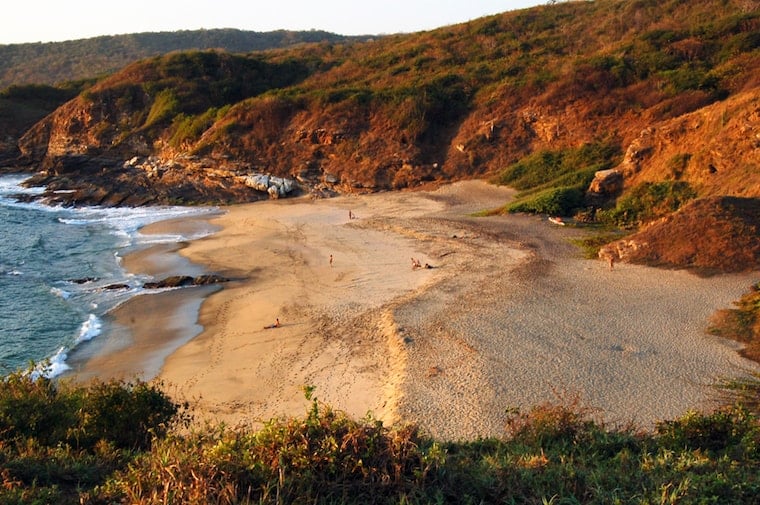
x: 331, y: 260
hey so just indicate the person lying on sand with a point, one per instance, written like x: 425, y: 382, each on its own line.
x: 416, y: 264
x: 276, y: 324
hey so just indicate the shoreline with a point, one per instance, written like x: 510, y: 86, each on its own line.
x: 509, y: 317
x: 140, y: 333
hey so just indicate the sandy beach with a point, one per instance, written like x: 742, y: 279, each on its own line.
x: 509, y: 315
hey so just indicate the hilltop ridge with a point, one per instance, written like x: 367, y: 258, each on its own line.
x: 73, y: 60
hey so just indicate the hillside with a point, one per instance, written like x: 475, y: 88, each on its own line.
x: 660, y: 90
x: 36, y: 79
x: 55, y: 62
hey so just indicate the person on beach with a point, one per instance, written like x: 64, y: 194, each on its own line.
x: 350, y: 215
x: 276, y: 324
x: 416, y: 264
x: 331, y: 260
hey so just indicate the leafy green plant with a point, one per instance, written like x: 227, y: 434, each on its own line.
x: 726, y: 429
x: 554, y: 201
x: 127, y: 415
x: 647, y: 202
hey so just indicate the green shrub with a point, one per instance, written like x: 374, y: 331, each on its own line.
x: 165, y: 106
x: 726, y: 429
x: 545, y: 168
x: 188, y: 128
x: 36, y: 409
x: 648, y: 201
x: 555, y: 201
x: 126, y: 415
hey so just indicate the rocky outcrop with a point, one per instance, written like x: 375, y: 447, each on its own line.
x: 605, y: 185
x: 99, y: 180
x: 637, y: 152
x: 275, y: 187
x: 174, y: 281
x: 181, y: 281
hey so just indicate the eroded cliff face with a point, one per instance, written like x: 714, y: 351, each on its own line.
x: 334, y: 149
x: 716, y: 149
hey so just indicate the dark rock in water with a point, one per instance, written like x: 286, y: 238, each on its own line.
x: 180, y: 281
x: 174, y: 281
x: 116, y: 286
x: 83, y: 280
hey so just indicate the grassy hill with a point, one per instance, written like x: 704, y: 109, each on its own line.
x: 461, y: 101
x: 57, y: 62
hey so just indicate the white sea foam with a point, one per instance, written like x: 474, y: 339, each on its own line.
x: 61, y: 293
x: 52, y: 367
x: 56, y: 364
x: 90, y: 329
x: 11, y: 185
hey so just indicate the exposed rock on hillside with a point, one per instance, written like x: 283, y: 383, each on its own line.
x: 717, y: 234
x: 716, y: 148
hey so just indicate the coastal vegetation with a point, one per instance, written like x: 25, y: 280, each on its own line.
x: 741, y: 324
x: 555, y: 182
x: 130, y: 443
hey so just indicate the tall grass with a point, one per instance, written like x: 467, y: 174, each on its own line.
x: 65, y: 444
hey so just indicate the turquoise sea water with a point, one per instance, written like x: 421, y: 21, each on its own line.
x: 55, y: 264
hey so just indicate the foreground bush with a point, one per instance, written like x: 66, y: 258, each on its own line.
x: 549, y: 454
x: 552, y: 454
x: 323, y: 458
x: 57, y: 439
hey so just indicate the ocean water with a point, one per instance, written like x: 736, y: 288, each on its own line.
x: 55, y: 265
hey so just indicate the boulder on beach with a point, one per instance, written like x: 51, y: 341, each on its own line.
x: 180, y: 281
